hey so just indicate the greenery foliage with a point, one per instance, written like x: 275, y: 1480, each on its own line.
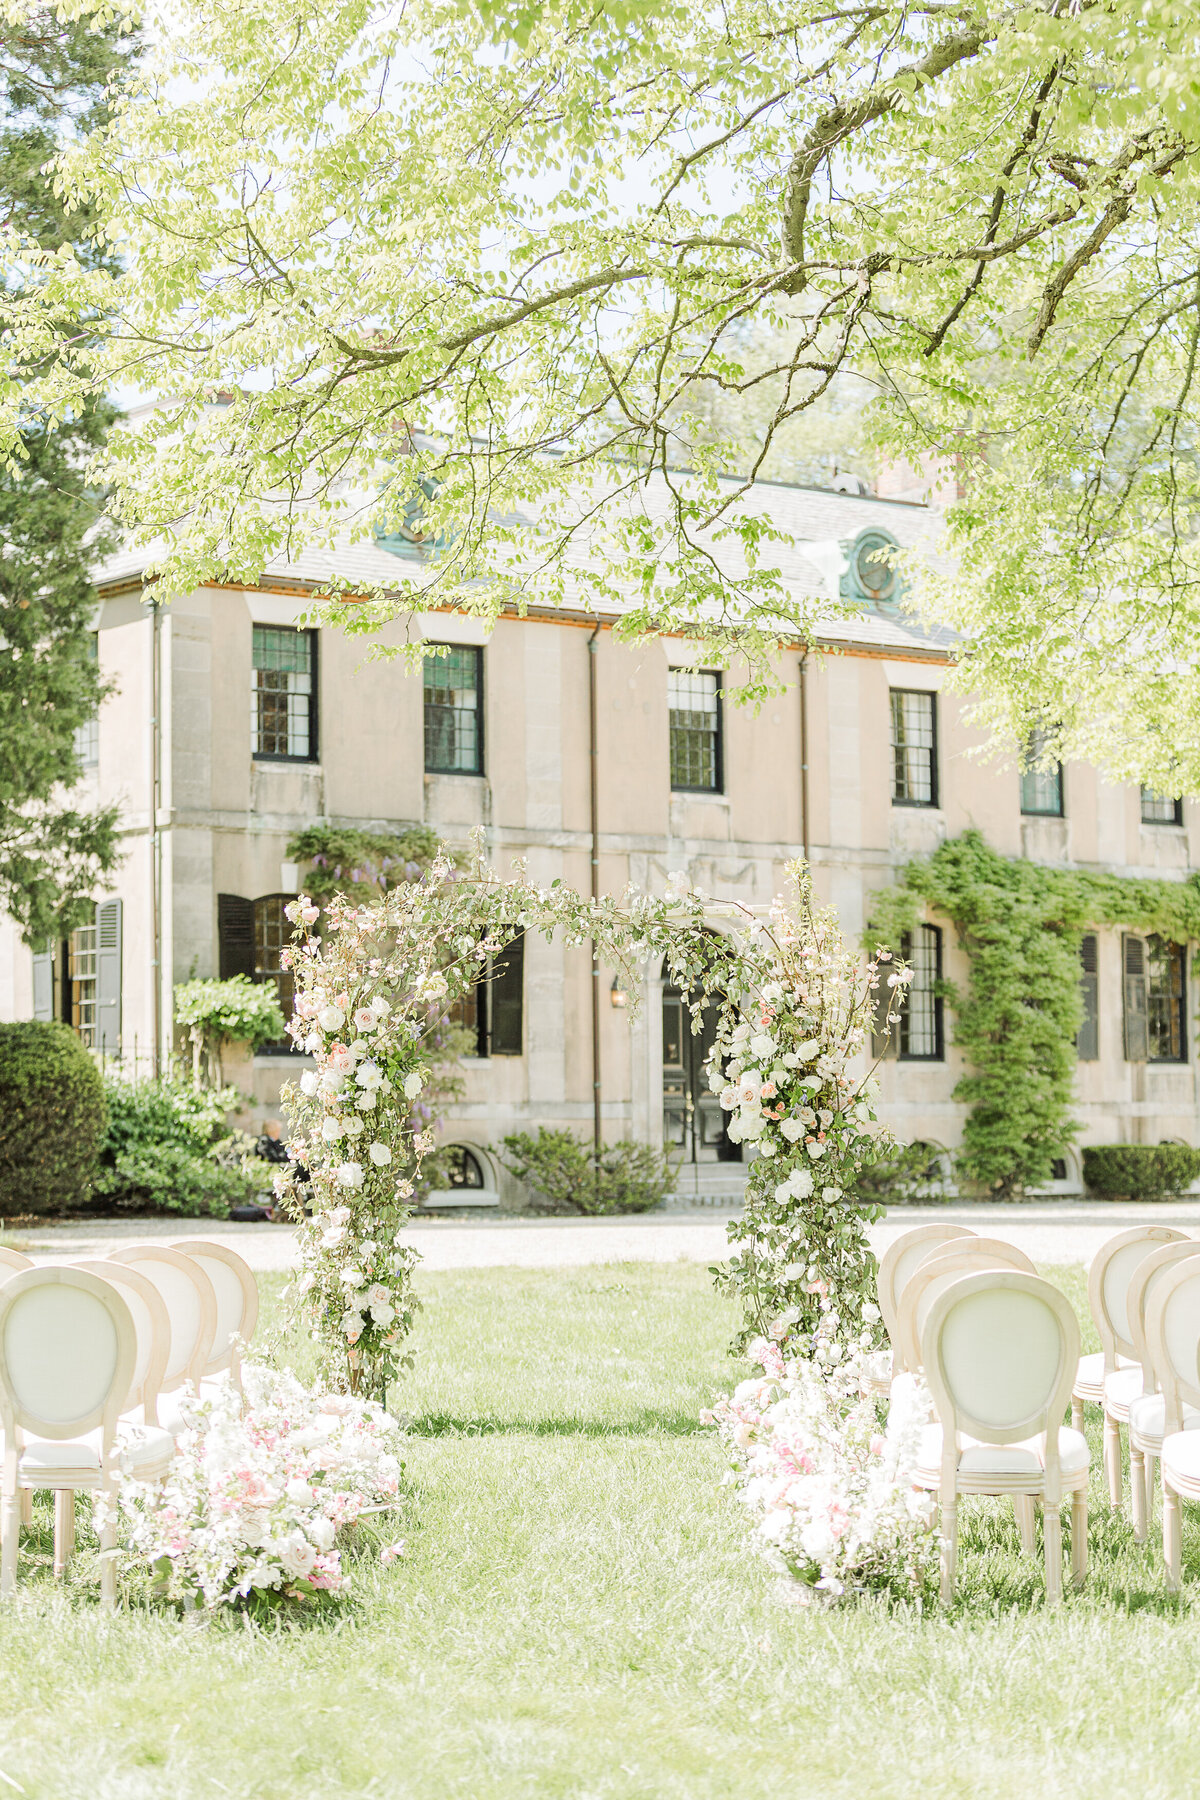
x: 168, y: 1149
x: 54, y: 83
x: 564, y: 1175
x: 1021, y: 924
x: 52, y: 1118
x: 1139, y: 1171
x: 928, y: 198
x: 215, y: 1013
x: 360, y: 864
x: 907, y: 1176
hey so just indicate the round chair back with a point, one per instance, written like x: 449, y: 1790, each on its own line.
x: 236, y: 1291
x: 152, y: 1325
x: 12, y: 1262
x: 937, y: 1272
x: 1108, y: 1284
x: 191, y: 1307
x: 1000, y: 1348
x: 1142, y: 1283
x: 901, y: 1258
x: 1173, y: 1338
x: 67, y: 1353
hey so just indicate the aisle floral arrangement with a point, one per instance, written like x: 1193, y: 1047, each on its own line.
x: 251, y: 1508
x: 826, y: 1472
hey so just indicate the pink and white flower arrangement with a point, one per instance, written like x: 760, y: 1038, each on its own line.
x: 257, y: 1493
x: 826, y: 1481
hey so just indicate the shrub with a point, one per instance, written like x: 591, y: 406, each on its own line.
x: 52, y: 1118
x: 913, y: 1176
x: 1139, y: 1171
x: 563, y: 1174
x: 220, y: 1012
x: 169, y: 1149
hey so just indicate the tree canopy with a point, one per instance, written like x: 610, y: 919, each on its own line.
x: 498, y: 267
x: 55, y: 846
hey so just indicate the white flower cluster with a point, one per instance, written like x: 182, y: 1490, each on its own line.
x: 256, y: 1496
x: 828, y: 1484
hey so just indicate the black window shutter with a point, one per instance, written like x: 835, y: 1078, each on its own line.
x: 235, y: 935
x: 1087, y: 1044
x: 506, y: 999
x: 1137, y: 1034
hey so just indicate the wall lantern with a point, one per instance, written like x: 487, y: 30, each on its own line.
x: 617, y: 993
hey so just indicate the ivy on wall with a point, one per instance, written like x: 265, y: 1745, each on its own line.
x: 1016, y: 1023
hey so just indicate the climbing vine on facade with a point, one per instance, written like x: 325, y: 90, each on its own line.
x: 1021, y: 924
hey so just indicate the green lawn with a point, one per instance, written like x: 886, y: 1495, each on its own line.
x: 576, y: 1616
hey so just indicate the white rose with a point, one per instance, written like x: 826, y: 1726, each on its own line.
x: 792, y: 1129
x: 384, y: 1314
x: 716, y: 1080
x: 752, y: 1127
x: 830, y: 1194
x: 331, y: 1128
x: 801, y: 1184
x: 413, y: 1083
x: 314, y: 1043
x: 763, y: 1046
x: 352, y: 1125
x: 368, y: 1075
x: 322, y: 1532
x: 299, y: 1492
x: 815, y: 1150
x: 366, y: 1100
x: 331, y: 1018
x: 299, y: 1557
x: 350, y: 1174
x: 809, y: 1049
x: 380, y: 1155
x: 352, y: 1278
x: 381, y: 1007
x: 310, y: 1081
x: 767, y: 1148
x: 332, y: 1082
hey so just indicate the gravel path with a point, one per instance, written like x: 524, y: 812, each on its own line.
x: 1061, y: 1231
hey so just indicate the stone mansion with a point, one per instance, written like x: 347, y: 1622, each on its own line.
x: 230, y: 729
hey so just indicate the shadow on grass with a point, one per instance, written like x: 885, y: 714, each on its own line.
x: 646, y: 1423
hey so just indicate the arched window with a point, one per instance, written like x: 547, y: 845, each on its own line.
x: 462, y: 1168
x: 869, y: 577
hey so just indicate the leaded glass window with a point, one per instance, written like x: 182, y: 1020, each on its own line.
x: 454, y: 711
x: 284, y: 700
x: 914, y: 748
x: 1165, y: 993
x: 1041, y: 784
x: 1157, y: 809
x: 921, y: 1037
x: 694, y: 699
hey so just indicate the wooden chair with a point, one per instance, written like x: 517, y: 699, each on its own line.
x: 12, y: 1262
x: 1108, y: 1285
x: 191, y: 1306
x: 1141, y: 1407
x: 1173, y: 1336
x: 236, y: 1293
x: 896, y: 1265
x: 948, y: 1262
x: 999, y: 1349
x: 68, y: 1351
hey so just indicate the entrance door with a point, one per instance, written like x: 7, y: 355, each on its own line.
x: 693, y: 1120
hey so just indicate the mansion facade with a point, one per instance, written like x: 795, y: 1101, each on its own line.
x: 233, y: 726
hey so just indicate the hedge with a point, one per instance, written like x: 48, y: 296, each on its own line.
x: 1139, y: 1171
x: 53, y: 1117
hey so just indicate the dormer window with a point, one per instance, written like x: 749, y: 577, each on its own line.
x: 871, y: 578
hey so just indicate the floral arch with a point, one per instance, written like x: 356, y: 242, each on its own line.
x: 372, y: 986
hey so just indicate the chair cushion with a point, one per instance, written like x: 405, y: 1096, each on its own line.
x: 143, y: 1452
x: 1121, y: 1388
x: 1089, y: 1374
x: 980, y: 1460
x: 1180, y: 1455
x: 1147, y: 1416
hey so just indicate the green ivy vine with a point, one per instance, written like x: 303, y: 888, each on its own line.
x: 1021, y: 924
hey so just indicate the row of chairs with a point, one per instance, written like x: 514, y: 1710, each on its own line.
x: 95, y: 1360
x: 999, y: 1349
x: 1144, y: 1296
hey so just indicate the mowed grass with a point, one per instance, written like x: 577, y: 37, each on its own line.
x: 577, y: 1615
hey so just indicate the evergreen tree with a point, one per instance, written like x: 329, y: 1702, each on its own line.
x: 55, y: 849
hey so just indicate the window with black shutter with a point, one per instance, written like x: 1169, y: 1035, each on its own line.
x: 1133, y: 962
x: 506, y: 1000
x: 1087, y: 1044
x: 235, y: 936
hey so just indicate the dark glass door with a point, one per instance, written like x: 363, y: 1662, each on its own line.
x: 694, y: 1124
